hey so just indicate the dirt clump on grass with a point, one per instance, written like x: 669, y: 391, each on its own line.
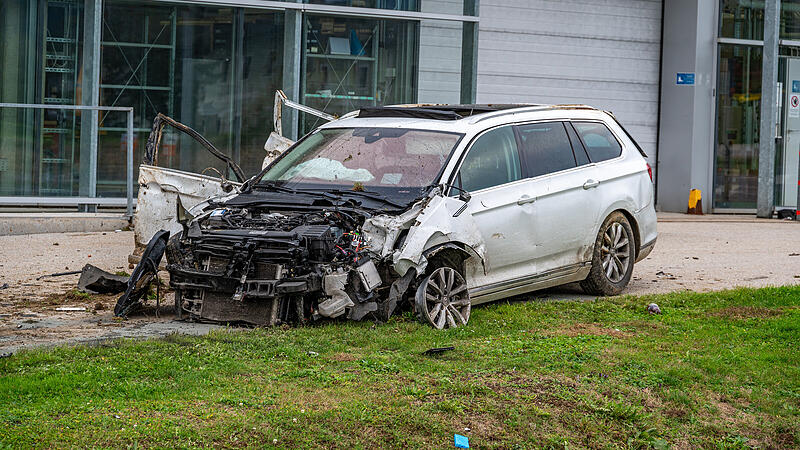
x: 746, y: 312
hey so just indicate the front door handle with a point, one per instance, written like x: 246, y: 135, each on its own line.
x: 589, y: 184
x: 526, y: 199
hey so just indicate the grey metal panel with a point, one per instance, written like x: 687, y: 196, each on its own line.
x: 439, y: 57
x: 603, y: 53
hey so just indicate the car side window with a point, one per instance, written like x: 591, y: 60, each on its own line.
x: 598, y: 141
x: 545, y: 148
x: 491, y: 161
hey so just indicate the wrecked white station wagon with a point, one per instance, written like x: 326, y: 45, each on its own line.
x: 434, y: 208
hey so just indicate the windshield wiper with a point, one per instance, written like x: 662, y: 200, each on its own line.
x: 370, y: 195
x: 274, y: 186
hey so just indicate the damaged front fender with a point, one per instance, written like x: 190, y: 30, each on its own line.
x: 431, y: 223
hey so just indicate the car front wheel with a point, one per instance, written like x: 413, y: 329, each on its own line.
x: 613, y: 257
x: 442, y: 299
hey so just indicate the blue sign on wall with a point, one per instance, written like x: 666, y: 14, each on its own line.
x: 795, y: 86
x: 685, y: 79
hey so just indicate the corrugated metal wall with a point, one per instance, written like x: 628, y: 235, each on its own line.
x: 440, y: 54
x: 604, y: 53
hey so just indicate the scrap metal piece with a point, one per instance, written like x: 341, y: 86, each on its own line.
x: 154, y: 142
x: 94, y: 280
x: 142, y: 275
x: 58, y: 274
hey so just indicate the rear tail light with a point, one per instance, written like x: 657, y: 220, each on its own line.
x: 650, y: 172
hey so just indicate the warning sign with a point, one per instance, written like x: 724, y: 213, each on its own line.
x: 794, y: 105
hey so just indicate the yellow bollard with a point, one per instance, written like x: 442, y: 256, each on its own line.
x: 695, y: 202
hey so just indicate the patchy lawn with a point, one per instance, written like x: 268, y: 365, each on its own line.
x: 715, y: 370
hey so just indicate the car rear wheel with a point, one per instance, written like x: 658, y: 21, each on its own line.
x: 442, y: 299
x: 613, y: 257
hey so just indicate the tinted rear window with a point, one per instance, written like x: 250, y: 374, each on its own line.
x: 545, y: 148
x: 598, y: 141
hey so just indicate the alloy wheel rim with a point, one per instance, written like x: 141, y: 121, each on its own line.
x: 615, y: 252
x: 446, y: 302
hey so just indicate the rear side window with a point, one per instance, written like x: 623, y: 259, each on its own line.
x: 491, y: 161
x: 545, y: 148
x: 598, y: 141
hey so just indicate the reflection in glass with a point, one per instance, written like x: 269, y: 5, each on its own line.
x: 738, y: 107
x: 214, y: 69
x: 741, y: 20
x: 351, y: 63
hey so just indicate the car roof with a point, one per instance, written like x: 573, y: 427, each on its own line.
x: 460, y: 118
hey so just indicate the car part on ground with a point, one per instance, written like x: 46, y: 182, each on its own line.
x: 144, y: 273
x: 94, y: 280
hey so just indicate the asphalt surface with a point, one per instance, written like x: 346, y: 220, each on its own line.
x: 699, y: 254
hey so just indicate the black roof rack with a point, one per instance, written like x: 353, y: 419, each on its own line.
x: 437, y: 112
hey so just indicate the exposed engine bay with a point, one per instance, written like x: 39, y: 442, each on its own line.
x: 267, y: 267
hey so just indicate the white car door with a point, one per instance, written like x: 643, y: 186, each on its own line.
x: 491, y: 172
x: 563, y: 185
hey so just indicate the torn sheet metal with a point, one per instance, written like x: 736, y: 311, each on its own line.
x: 159, y: 191
x: 430, y: 223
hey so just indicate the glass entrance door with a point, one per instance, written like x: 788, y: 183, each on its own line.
x: 787, y: 162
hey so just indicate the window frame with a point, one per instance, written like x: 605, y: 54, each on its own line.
x: 452, y: 178
x: 613, y: 134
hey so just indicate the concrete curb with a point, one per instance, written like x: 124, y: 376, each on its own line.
x: 36, y: 223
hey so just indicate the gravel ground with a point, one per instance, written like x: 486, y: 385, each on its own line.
x: 700, y: 254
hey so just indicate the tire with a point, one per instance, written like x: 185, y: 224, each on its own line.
x: 442, y: 299
x: 613, y: 257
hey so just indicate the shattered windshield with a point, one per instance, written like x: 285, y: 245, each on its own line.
x: 360, y: 158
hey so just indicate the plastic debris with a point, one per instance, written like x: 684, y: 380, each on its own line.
x: 460, y: 441
x: 94, y: 280
x: 652, y: 308
x: 436, y: 351
x: 71, y: 308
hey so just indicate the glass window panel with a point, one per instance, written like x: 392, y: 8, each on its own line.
x: 738, y: 106
x: 350, y: 63
x: 790, y: 19
x: 598, y: 141
x: 262, y: 70
x: 492, y: 160
x: 741, y: 20
x: 196, y: 73
x: 546, y: 148
x: 401, y: 5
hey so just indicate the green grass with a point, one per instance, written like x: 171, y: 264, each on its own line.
x: 719, y: 370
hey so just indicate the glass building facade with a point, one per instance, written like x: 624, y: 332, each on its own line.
x: 738, y: 102
x: 214, y: 68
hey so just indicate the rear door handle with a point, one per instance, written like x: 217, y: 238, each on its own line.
x: 589, y: 184
x: 526, y: 199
